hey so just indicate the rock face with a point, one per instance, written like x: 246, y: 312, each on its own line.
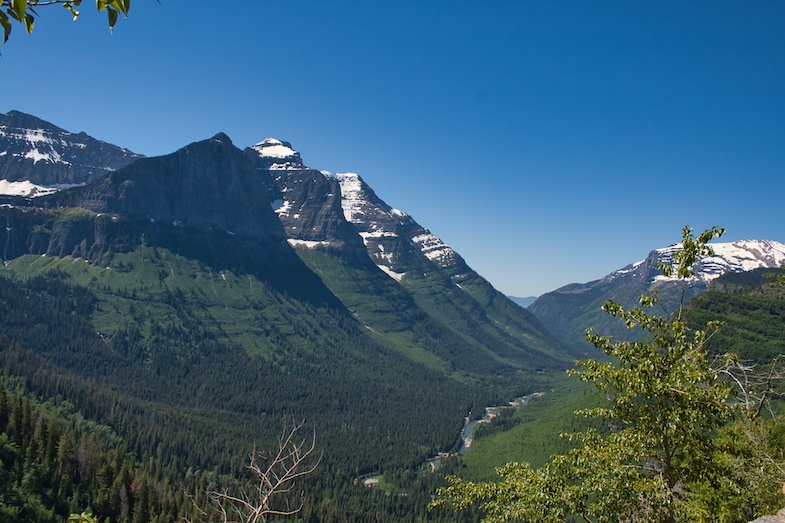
x: 45, y: 155
x: 570, y: 310
x: 395, y: 242
x: 207, y: 184
x: 779, y: 518
x: 205, y: 201
x: 307, y: 202
x: 338, y: 216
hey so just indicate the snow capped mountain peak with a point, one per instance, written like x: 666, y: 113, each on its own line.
x: 738, y: 256
x: 37, y: 157
x: 277, y: 154
x: 275, y: 148
x: 385, y: 230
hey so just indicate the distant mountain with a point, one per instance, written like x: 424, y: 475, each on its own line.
x: 523, y: 302
x: 569, y: 311
x: 37, y: 157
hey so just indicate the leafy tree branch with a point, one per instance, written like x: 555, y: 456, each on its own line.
x: 24, y: 12
x: 680, y: 443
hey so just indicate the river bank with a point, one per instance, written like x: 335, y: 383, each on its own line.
x: 467, y: 433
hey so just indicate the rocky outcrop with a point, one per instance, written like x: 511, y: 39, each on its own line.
x: 307, y: 202
x: 779, y: 518
x: 208, y: 184
x: 37, y: 151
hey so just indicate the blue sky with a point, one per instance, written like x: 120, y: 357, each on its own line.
x: 547, y: 142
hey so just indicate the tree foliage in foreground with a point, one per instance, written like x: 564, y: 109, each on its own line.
x: 682, y: 442
x: 24, y: 12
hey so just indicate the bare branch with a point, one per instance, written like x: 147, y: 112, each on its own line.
x: 273, y: 476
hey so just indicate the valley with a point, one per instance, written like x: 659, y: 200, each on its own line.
x: 172, y: 314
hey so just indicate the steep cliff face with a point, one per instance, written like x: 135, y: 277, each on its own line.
x: 307, y: 202
x: 48, y: 157
x: 208, y: 184
x: 205, y: 201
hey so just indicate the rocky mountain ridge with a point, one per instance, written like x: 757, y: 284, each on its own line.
x: 37, y: 157
x: 262, y: 211
x: 570, y: 310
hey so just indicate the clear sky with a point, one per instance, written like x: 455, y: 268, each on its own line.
x: 548, y: 142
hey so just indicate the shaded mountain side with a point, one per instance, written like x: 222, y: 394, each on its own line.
x: 307, y: 202
x: 752, y: 311
x: 37, y: 151
x: 343, y: 219
x: 396, y: 317
x: 190, y: 407
x: 168, y: 349
x: 204, y: 201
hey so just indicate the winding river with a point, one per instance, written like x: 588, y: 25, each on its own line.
x: 469, y: 426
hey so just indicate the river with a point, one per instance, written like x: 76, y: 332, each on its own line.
x: 469, y: 426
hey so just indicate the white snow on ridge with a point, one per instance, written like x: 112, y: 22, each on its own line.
x: 308, y: 244
x: 31, y: 190
x: 434, y: 248
x: 739, y: 256
x: 272, y: 148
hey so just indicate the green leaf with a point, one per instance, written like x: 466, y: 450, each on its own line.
x: 19, y: 7
x: 6, y: 23
x: 29, y: 22
x: 123, y: 6
x: 112, y: 17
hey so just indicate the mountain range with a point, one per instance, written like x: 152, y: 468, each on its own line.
x: 570, y: 310
x: 189, y: 304
x: 38, y: 157
x: 244, y: 284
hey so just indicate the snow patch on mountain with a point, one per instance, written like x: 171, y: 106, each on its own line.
x: 273, y: 148
x: 397, y: 276
x: 278, y: 155
x: 30, y: 190
x: 434, y: 248
x: 281, y: 207
x: 378, y: 222
x: 308, y: 244
x: 50, y: 156
x: 738, y: 256
x: 353, y: 199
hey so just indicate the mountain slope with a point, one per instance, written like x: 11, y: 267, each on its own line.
x: 37, y: 157
x: 570, y: 310
x: 361, y: 247
x: 752, y: 312
x: 197, y: 304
